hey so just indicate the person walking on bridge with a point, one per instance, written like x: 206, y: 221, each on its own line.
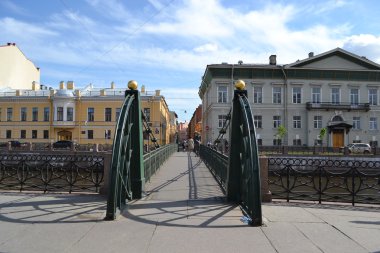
x: 190, y: 145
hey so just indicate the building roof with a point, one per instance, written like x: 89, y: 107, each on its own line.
x: 360, y: 60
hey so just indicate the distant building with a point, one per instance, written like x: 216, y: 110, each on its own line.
x: 182, y: 131
x: 16, y: 71
x: 336, y: 90
x: 85, y: 116
x: 195, y: 124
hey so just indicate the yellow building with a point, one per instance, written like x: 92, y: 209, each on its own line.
x: 85, y: 116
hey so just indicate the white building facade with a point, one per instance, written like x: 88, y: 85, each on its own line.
x: 336, y: 90
x: 16, y: 71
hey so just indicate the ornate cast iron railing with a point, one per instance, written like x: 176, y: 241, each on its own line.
x: 51, y: 172
x: 325, y: 179
x: 241, y: 174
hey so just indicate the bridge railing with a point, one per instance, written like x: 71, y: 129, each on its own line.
x: 217, y: 164
x: 51, y: 171
x: 328, y: 179
x: 154, y: 159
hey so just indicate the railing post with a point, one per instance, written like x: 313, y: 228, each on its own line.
x: 137, y: 160
x: 266, y: 195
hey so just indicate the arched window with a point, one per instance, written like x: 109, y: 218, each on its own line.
x: 337, y: 118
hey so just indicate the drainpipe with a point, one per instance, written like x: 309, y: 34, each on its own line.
x: 286, y: 104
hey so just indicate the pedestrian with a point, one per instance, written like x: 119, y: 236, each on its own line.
x: 190, y: 145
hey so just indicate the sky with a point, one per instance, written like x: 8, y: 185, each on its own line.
x: 167, y: 44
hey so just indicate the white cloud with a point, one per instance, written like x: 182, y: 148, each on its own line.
x: 156, y: 4
x: 209, y: 47
x: 13, y: 28
x: 14, y: 7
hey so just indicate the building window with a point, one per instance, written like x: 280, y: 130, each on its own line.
x: 221, y: 120
x: 335, y: 95
x: 117, y: 115
x: 316, y: 95
x: 23, y: 113
x: 35, y: 114
x: 90, y: 114
x: 107, y: 134
x: 22, y: 134
x: 46, y: 134
x: 297, y: 142
x: 356, y: 123
x: 108, y: 114
x: 222, y: 94
x: 372, y: 96
x: 34, y: 134
x: 276, y: 121
x: 258, y: 121
x: 46, y: 114
x: 372, y: 123
x: 90, y: 134
x: 147, y: 114
x: 70, y: 114
x: 354, y: 96
x: 9, y: 114
x: 297, y: 95
x: 277, y: 142
x: 296, y: 121
x: 59, y: 113
x: 317, y: 122
x: 276, y: 95
x: 9, y: 134
x: 257, y: 95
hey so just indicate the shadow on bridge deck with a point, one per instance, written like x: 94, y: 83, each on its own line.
x: 184, y: 193
x: 184, y: 211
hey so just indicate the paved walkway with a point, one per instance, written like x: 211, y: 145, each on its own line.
x: 184, y: 211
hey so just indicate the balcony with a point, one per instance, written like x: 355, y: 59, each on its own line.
x: 64, y: 124
x: 335, y: 106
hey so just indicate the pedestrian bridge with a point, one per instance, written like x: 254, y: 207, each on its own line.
x: 239, y: 175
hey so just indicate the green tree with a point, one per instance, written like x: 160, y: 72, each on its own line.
x: 322, y: 134
x: 281, y: 132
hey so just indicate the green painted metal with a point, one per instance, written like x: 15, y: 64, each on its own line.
x: 127, y: 168
x: 217, y: 164
x: 243, y: 177
x: 154, y: 159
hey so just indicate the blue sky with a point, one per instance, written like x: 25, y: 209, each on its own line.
x: 166, y: 44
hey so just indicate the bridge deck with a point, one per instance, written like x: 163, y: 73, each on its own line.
x: 184, y: 211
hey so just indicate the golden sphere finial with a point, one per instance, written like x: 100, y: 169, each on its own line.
x: 132, y: 85
x: 240, y: 84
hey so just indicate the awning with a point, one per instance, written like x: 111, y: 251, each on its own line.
x: 339, y: 125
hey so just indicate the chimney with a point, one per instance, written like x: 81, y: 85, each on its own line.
x: 311, y: 54
x: 8, y: 44
x: 113, y: 85
x: 78, y: 93
x: 142, y: 88
x: 103, y: 92
x: 158, y: 92
x: 272, y: 59
x: 70, y: 85
x: 35, y: 86
x: 18, y: 93
x: 61, y: 85
x: 52, y: 92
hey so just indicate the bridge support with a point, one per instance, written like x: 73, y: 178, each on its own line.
x: 243, y: 176
x: 137, y: 161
